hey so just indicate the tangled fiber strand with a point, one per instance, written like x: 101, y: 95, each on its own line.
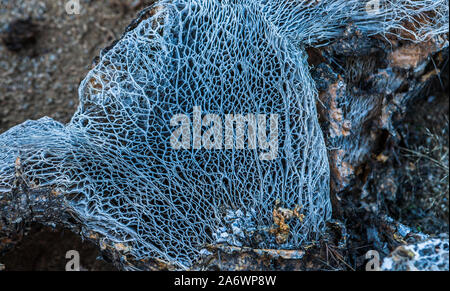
x: 315, y: 23
x: 114, y: 160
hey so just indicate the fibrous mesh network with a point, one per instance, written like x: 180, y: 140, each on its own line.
x: 114, y: 160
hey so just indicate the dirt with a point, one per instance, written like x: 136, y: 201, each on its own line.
x: 44, y: 55
x: 45, y: 249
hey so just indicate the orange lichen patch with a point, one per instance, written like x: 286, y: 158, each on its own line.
x: 17, y: 162
x: 382, y: 158
x: 336, y: 113
x: 280, y: 218
x: 410, y: 56
x: 93, y: 236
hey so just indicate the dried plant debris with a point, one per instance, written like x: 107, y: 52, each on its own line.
x: 112, y: 175
x: 20, y: 34
x: 281, y: 218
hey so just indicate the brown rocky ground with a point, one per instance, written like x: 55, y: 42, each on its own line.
x: 51, y: 53
x: 45, y: 55
x: 42, y: 78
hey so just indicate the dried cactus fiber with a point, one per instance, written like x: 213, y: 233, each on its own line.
x: 199, y: 126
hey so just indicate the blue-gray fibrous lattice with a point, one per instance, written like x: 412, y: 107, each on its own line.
x: 114, y: 160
